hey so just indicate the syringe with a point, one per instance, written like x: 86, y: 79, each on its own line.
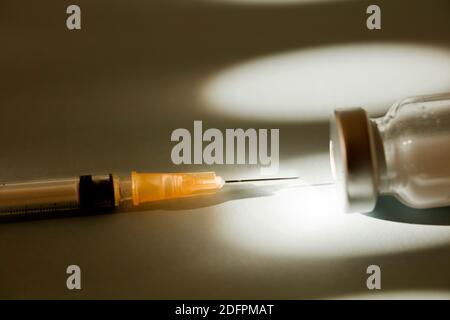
x: 102, y: 192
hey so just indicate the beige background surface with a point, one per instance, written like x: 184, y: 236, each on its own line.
x: 106, y: 98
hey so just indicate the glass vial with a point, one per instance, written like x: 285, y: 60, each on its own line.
x: 405, y: 153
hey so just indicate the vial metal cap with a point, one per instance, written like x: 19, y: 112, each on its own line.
x: 353, y: 159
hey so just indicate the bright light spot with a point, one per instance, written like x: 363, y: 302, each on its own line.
x: 406, y: 142
x: 311, y: 168
x: 307, y: 221
x: 310, y: 83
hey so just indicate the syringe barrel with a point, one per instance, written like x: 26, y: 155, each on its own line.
x: 89, y: 193
x: 84, y: 192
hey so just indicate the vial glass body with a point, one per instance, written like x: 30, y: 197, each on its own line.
x: 415, y: 136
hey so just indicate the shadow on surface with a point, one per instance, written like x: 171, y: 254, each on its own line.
x: 389, y: 208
